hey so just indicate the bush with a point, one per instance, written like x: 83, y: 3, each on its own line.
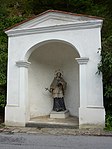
x: 106, y: 68
x: 2, y: 101
x: 108, y: 123
x: 5, y: 22
x: 2, y: 96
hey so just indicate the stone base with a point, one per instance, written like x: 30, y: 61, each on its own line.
x: 91, y: 117
x: 61, y: 114
x: 12, y: 119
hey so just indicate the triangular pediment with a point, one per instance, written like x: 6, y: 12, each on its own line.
x: 45, y: 22
x: 53, y: 18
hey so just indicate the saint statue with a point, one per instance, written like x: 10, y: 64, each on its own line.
x: 57, y: 89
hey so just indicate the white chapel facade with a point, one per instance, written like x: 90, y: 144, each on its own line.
x: 39, y: 46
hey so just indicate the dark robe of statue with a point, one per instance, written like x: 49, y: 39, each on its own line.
x: 57, y: 88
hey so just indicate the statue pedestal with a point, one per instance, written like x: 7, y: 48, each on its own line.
x: 61, y: 114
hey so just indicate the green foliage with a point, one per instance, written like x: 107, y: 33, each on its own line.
x: 5, y: 22
x: 66, y: 5
x: 106, y: 68
x: 2, y: 96
x: 2, y: 101
x: 108, y: 124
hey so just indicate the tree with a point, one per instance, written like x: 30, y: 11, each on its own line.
x: 5, y: 22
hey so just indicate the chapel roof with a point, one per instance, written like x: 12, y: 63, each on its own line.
x: 53, y: 11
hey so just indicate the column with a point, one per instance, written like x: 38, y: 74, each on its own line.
x: 23, y: 87
x: 88, y: 116
x: 82, y: 80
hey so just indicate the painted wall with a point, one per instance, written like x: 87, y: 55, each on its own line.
x: 44, y: 61
x: 86, y: 41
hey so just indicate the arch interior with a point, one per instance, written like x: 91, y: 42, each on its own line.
x: 45, y: 59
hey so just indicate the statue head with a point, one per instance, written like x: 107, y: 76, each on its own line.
x: 59, y: 73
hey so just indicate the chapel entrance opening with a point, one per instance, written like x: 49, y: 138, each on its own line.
x: 45, y: 60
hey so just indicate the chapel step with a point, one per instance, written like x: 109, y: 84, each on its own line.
x: 46, y: 122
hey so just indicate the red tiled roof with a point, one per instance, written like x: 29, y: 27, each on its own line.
x: 58, y: 11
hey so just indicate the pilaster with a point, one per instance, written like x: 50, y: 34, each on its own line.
x: 82, y: 80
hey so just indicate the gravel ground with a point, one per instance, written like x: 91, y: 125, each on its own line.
x: 55, y: 131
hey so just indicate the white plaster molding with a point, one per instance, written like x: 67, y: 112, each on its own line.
x: 73, y: 26
x: 23, y: 64
x: 82, y: 60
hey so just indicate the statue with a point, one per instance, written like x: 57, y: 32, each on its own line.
x: 57, y: 89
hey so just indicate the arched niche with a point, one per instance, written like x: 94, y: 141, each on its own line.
x: 45, y: 59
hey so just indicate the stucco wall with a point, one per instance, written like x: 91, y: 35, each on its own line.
x: 20, y: 48
x: 44, y: 61
x: 87, y: 42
